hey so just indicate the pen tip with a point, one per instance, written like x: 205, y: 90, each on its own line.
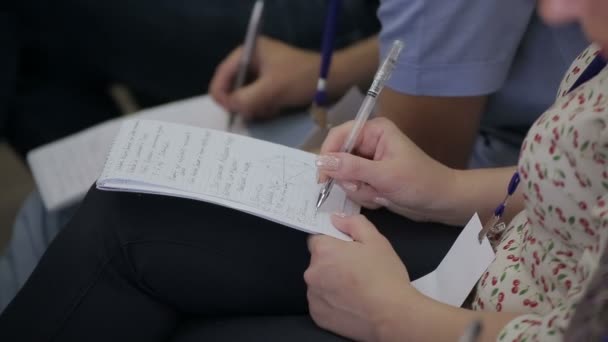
x: 319, y: 200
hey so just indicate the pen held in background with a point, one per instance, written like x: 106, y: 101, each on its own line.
x: 318, y: 108
x: 253, y: 29
x: 382, y: 75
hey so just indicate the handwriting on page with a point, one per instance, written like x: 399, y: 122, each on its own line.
x: 266, y: 179
x: 65, y: 169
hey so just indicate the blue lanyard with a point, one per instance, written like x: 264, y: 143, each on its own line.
x: 591, y: 71
x: 500, y: 209
x: 594, y: 68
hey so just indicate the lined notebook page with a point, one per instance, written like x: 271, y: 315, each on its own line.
x: 272, y: 181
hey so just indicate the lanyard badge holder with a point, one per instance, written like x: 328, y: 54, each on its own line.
x: 494, y: 223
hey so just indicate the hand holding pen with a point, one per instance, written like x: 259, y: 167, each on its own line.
x: 382, y: 75
x: 318, y: 109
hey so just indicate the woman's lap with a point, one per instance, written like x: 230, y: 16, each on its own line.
x: 291, y: 328
x: 146, y: 259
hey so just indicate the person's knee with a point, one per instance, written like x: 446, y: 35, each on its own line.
x: 97, y: 221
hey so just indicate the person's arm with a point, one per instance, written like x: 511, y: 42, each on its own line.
x: 362, y: 290
x: 450, y: 63
x: 444, y: 127
x: 425, y: 319
x: 286, y: 77
x: 480, y: 190
x: 389, y: 170
x: 353, y: 66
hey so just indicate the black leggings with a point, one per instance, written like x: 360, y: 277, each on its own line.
x: 132, y: 267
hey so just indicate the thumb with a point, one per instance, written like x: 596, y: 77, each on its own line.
x: 356, y: 226
x: 255, y: 99
x: 345, y: 166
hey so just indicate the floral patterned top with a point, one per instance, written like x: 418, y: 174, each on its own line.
x: 546, y: 255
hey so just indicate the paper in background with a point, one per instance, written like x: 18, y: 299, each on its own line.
x: 65, y: 169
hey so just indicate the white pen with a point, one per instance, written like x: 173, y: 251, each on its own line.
x: 382, y: 75
x: 249, y: 46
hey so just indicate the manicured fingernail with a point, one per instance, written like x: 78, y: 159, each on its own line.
x: 349, y: 186
x: 330, y: 163
x: 382, y: 201
x: 341, y: 215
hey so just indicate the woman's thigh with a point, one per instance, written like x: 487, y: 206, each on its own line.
x: 209, y: 259
x: 254, y: 328
x: 131, y: 265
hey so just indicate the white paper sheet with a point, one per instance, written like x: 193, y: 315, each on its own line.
x: 268, y: 180
x: 65, y: 169
x: 466, y: 261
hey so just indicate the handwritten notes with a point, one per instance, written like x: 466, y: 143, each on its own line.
x: 65, y: 169
x: 265, y: 179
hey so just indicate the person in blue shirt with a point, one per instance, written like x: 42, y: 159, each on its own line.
x: 458, y: 85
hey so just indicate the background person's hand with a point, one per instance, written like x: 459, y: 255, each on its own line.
x: 283, y: 76
x: 386, y: 169
x: 354, y: 287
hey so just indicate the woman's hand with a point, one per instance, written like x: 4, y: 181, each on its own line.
x: 355, y: 287
x: 387, y: 169
x: 285, y: 76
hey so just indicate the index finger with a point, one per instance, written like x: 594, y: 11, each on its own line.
x: 366, y: 143
x: 221, y: 84
x: 336, y: 137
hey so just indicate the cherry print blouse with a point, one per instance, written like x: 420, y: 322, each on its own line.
x: 546, y: 255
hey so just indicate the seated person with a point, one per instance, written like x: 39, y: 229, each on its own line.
x: 426, y: 112
x: 453, y: 72
x: 134, y: 267
x: 67, y: 57
x: 428, y: 119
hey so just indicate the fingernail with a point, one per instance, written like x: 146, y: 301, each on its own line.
x: 330, y: 163
x: 341, y: 215
x: 349, y: 186
x: 382, y: 201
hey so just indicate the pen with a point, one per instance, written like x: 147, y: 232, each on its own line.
x: 248, y: 48
x: 318, y: 110
x: 382, y: 75
x: 471, y: 334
